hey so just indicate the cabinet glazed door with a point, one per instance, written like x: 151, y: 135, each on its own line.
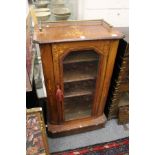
x: 79, y: 69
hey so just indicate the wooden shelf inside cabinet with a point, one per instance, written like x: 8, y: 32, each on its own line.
x: 80, y: 58
x: 79, y: 76
x: 78, y: 107
x: 77, y: 111
x: 77, y: 93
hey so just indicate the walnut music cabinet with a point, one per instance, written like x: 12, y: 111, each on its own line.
x: 78, y: 59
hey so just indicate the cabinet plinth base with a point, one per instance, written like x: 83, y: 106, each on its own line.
x: 76, y: 126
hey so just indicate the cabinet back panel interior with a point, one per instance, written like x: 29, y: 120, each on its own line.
x: 80, y: 70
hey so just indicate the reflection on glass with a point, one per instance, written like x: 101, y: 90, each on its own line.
x: 80, y: 72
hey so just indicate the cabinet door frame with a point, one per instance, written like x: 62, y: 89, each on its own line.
x: 102, y: 47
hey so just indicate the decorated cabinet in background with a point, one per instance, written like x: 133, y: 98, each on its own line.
x: 78, y: 59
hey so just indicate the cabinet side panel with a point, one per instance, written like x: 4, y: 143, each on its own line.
x: 48, y: 70
x: 100, y: 83
x: 109, y: 70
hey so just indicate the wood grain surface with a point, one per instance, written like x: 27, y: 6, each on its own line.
x: 75, y: 31
x: 57, y: 40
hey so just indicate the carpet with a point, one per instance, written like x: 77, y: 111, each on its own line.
x: 117, y: 147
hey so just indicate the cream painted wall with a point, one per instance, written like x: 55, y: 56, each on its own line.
x: 113, y: 11
x: 27, y: 8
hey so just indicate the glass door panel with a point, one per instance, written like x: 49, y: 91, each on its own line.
x: 80, y: 71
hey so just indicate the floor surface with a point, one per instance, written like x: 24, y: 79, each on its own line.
x: 112, y: 131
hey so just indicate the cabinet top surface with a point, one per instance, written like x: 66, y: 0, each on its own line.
x: 75, y: 31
